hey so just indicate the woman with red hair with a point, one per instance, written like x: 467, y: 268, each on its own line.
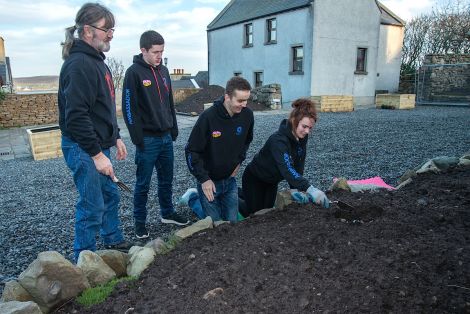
x: 282, y: 158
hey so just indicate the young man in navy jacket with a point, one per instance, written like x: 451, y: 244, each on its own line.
x: 149, y: 113
x: 217, y: 146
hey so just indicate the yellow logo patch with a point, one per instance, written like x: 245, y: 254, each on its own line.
x: 146, y: 83
x: 216, y: 134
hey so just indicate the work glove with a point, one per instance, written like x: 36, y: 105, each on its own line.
x: 318, y: 197
x: 299, y: 197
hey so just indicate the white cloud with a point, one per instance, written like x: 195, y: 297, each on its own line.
x: 33, y: 31
x: 407, y: 9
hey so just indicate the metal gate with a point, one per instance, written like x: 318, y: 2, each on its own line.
x: 443, y: 84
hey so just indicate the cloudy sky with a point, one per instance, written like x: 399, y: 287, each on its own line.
x: 33, y: 30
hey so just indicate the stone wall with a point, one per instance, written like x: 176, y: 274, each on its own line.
x: 181, y: 94
x: 36, y: 109
x: 28, y: 109
x: 445, y: 78
x: 269, y: 95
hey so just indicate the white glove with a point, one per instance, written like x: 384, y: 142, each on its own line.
x: 317, y: 196
x: 299, y: 197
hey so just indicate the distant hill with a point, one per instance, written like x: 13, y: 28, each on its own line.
x: 33, y: 83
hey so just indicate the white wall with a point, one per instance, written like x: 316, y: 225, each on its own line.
x: 294, y: 27
x: 389, y: 58
x: 338, y: 31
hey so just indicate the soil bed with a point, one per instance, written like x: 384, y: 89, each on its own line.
x: 195, y: 103
x: 404, y: 251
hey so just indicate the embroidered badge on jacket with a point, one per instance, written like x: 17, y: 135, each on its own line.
x: 216, y: 134
x: 239, y: 130
x: 146, y: 83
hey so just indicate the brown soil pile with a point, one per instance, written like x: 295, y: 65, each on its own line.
x: 405, y: 251
x: 195, y: 102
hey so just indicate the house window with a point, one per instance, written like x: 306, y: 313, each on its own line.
x: 258, y: 79
x: 361, y: 61
x: 297, y: 60
x: 237, y: 73
x: 271, y: 31
x: 248, y: 35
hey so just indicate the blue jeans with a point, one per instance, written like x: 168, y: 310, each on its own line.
x: 98, y: 200
x: 195, y: 204
x: 157, y: 153
x: 225, y: 203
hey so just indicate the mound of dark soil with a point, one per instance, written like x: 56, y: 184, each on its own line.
x: 405, y: 251
x: 195, y: 102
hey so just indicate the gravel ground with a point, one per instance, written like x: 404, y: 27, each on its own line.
x: 37, y: 198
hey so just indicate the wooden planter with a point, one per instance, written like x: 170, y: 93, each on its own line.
x: 45, y: 142
x: 395, y: 101
x: 334, y: 103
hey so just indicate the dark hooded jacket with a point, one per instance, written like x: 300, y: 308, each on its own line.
x: 147, y: 101
x: 218, y: 142
x: 87, y: 108
x: 282, y: 158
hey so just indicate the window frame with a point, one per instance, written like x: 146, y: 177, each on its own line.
x: 247, y: 34
x: 255, y: 81
x: 363, y: 70
x: 293, y: 60
x: 270, y: 31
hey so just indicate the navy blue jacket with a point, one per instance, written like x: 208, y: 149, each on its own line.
x: 147, y: 101
x: 218, y: 142
x: 87, y: 108
x: 282, y: 158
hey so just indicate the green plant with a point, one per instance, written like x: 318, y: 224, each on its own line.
x: 387, y: 107
x: 171, y: 243
x: 3, y: 94
x: 99, y: 293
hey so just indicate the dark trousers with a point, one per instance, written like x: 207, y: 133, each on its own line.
x: 256, y: 193
x: 157, y: 154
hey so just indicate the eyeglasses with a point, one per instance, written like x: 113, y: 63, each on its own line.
x: 106, y: 30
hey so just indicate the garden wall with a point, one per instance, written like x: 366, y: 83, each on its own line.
x: 28, y: 109
x: 181, y: 94
x: 36, y: 109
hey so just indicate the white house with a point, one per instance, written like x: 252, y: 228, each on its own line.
x: 310, y: 47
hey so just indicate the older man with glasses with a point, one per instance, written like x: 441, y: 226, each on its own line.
x: 87, y: 119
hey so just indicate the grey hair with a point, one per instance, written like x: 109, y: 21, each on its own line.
x: 88, y: 14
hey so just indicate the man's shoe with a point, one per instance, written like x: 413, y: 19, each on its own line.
x: 176, y: 219
x: 124, y: 246
x: 140, y: 231
x: 184, y: 200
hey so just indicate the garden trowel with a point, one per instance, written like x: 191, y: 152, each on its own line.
x: 343, y: 205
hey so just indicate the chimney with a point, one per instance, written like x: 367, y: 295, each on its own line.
x: 182, y: 71
x: 174, y: 71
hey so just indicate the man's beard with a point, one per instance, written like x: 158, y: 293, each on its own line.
x: 101, y: 45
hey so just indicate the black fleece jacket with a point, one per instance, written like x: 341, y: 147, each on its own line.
x: 218, y: 142
x: 282, y: 158
x: 87, y: 108
x: 147, y: 101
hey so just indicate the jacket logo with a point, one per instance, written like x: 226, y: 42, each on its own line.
x: 216, y: 134
x: 146, y: 83
x: 239, y: 130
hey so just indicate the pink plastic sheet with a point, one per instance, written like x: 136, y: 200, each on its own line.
x: 377, y: 181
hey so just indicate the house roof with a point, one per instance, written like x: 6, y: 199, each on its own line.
x: 239, y: 11
x: 187, y: 83
x: 388, y: 17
